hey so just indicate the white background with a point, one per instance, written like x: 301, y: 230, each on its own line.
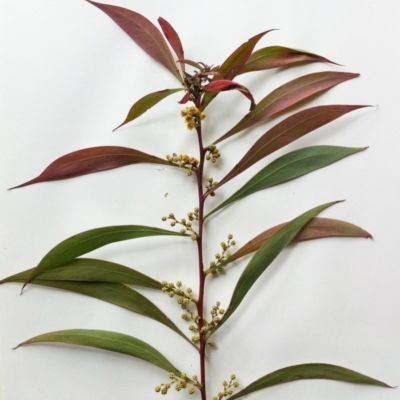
x: 69, y: 75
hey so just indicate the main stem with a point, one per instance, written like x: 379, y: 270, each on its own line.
x: 202, y: 275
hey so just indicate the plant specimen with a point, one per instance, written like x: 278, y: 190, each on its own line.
x: 64, y: 267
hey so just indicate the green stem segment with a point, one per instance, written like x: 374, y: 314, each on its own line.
x: 202, y: 275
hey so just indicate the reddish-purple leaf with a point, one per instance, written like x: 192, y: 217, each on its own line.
x: 185, y: 98
x: 190, y: 62
x: 277, y: 56
x: 143, y: 32
x: 288, y: 95
x: 287, y: 131
x: 173, y: 39
x: 317, y: 228
x: 146, y: 102
x: 225, y: 84
x: 93, y: 159
x: 234, y: 63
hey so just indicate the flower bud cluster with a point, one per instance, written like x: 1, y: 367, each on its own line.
x: 210, y: 185
x: 179, y: 382
x: 233, y: 383
x: 220, y: 258
x: 212, y: 153
x: 185, y: 297
x: 192, y: 117
x: 187, y: 225
x: 184, y: 161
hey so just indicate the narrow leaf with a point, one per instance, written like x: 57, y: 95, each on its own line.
x: 265, y: 256
x: 90, y: 240
x: 90, y: 270
x: 147, y: 102
x: 225, y: 84
x: 308, y: 371
x: 317, y: 228
x: 111, y: 341
x: 113, y: 293
x: 234, y: 63
x: 288, y: 95
x: 173, y: 39
x: 277, y: 56
x: 287, y: 131
x: 185, y: 98
x: 143, y: 32
x: 290, y: 166
x: 90, y: 160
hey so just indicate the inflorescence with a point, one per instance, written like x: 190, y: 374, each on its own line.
x: 187, y: 225
x: 180, y: 382
x: 192, y: 117
x: 220, y: 258
x: 233, y: 383
x: 184, y: 161
x: 212, y: 153
x: 210, y: 185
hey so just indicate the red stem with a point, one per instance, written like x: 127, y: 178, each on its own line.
x: 202, y: 275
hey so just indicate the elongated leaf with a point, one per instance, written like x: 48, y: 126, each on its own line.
x: 90, y: 160
x: 287, y: 131
x: 113, y: 293
x: 290, y: 166
x: 234, y: 63
x: 317, y: 228
x: 277, y: 56
x: 90, y: 270
x: 90, y: 240
x: 288, y: 95
x: 223, y: 85
x: 308, y: 371
x: 143, y: 32
x: 147, y: 102
x: 264, y: 257
x: 106, y: 340
x: 173, y: 39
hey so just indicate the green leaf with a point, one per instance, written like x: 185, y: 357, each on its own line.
x: 265, y: 256
x: 147, y: 102
x: 277, y: 56
x: 288, y: 95
x: 290, y: 166
x: 111, y: 341
x: 90, y: 160
x: 90, y: 270
x: 285, y: 132
x: 113, y: 293
x: 317, y: 228
x: 143, y: 32
x: 308, y: 371
x: 90, y: 240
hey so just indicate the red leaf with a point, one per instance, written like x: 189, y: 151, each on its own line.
x: 93, y: 159
x: 143, y: 32
x: 277, y: 56
x: 288, y: 95
x: 224, y: 84
x: 317, y: 228
x: 185, y: 98
x: 287, y: 131
x: 234, y: 63
x: 173, y: 39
